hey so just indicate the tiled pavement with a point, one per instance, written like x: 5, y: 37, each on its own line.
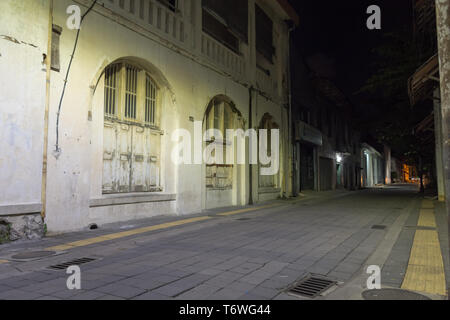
x: 224, y: 257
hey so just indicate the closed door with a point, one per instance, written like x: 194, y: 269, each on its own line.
x: 306, y: 167
x: 326, y: 174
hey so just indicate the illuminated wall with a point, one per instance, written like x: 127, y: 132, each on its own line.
x: 193, y: 67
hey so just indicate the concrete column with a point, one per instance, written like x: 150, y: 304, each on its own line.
x: 370, y: 170
x: 443, y: 32
x: 296, y: 181
x: 316, y: 169
x: 251, y: 61
x: 387, y: 161
x: 253, y: 124
x: 197, y: 25
x: 438, y: 141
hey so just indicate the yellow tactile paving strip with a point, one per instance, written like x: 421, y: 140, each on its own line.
x: 426, y: 218
x: 3, y: 261
x: 425, y: 272
x: 230, y: 213
x: 87, y: 242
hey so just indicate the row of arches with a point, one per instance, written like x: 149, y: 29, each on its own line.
x: 134, y: 95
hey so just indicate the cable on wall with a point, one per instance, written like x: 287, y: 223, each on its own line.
x: 57, y: 149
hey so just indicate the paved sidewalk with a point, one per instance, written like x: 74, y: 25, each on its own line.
x: 245, y: 255
x: 431, y: 221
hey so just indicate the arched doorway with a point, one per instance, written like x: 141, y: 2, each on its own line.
x: 222, y: 174
x: 268, y: 181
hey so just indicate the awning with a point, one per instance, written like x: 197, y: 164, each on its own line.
x: 305, y: 132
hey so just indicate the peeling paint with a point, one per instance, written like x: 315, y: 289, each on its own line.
x: 8, y: 38
x: 14, y: 40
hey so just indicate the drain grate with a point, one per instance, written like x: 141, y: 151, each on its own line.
x: 312, y: 286
x: 378, y: 227
x: 76, y: 262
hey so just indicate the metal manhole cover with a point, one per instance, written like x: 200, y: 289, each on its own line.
x: 312, y: 286
x: 392, y: 294
x: 378, y: 227
x: 33, y: 255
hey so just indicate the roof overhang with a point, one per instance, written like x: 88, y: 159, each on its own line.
x: 424, y: 80
x: 290, y: 11
x: 370, y: 149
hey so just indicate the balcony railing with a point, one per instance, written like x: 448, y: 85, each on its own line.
x: 153, y: 16
x: 176, y: 27
x: 231, y: 62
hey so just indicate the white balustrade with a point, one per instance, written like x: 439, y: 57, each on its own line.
x: 231, y: 62
x: 153, y: 16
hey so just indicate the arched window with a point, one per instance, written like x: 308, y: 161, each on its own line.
x: 268, y: 124
x: 221, y: 116
x: 130, y: 95
x: 132, y: 138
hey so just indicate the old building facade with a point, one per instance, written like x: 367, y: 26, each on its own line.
x: 327, y: 148
x: 140, y: 71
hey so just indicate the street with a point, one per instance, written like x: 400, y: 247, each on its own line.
x: 254, y: 253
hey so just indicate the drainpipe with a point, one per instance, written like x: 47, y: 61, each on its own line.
x: 48, y: 61
x: 443, y: 34
x: 250, y: 126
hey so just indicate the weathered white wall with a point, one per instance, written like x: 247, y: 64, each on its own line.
x: 22, y: 99
x: 75, y: 174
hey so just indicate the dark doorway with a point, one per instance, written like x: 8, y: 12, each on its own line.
x: 306, y: 167
x: 326, y: 174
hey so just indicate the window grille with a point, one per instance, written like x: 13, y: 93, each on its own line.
x: 150, y: 100
x: 131, y: 92
x: 111, y: 90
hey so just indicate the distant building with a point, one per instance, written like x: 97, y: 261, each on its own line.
x: 372, y: 163
x: 326, y: 147
x: 409, y: 173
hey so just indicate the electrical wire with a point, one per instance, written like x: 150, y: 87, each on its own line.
x: 57, y: 149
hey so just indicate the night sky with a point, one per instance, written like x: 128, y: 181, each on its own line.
x: 336, y: 43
